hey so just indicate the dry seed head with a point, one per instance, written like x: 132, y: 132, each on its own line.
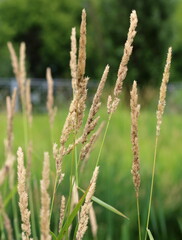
x: 73, y: 60
x: 93, y: 222
x: 82, y: 48
x: 135, y: 110
x: 4, y: 171
x: 50, y: 97
x: 77, y: 107
x: 76, y: 112
x: 22, y: 71
x: 126, y: 55
x: 71, y: 146
x: 80, y: 102
x: 62, y: 211
x: 10, y: 105
x: 14, y: 61
x: 75, y: 196
x: 109, y: 104
x: 13, y: 100
x: 163, y: 89
x: 83, y: 221
x: 23, y: 196
x: 112, y: 104
x: 90, y: 124
x: 58, y: 156
x: 45, y: 200
x: 19, y: 68
x: 87, y: 148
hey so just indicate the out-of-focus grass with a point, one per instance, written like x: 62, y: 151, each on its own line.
x: 114, y: 184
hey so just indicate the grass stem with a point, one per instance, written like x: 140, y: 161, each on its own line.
x: 151, y: 187
x: 138, y: 214
x: 103, y: 140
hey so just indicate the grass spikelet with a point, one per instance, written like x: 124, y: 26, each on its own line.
x: 83, y: 221
x: 87, y: 148
x: 73, y: 61
x: 23, y: 197
x: 77, y: 107
x: 135, y: 110
x: 122, y: 71
x: 90, y: 124
x: 62, y: 211
x: 93, y: 222
x: 14, y: 61
x: 45, y: 200
x: 163, y: 89
x: 4, y: 171
x: 19, y: 69
x: 50, y: 97
x: 22, y: 70
x: 82, y: 49
x: 126, y: 55
x: 10, y: 106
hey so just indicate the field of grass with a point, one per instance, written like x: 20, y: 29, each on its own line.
x: 114, y: 185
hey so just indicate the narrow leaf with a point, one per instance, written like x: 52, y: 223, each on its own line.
x: 109, y: 207
x: 106, y: 205
x: 10, y: 195
x: 72, y: 216
x: 53, y: 235
x: 150, y: 234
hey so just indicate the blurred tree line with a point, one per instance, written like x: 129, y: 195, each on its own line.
x: 45, y: 27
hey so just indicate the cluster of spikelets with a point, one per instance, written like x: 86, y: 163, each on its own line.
x: 72, y: 127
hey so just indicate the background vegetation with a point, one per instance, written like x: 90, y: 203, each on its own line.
x: 45, y: 27
x: 166, y: 221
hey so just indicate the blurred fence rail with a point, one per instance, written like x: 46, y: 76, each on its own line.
x: 62, y: 92
x: 174, y: 99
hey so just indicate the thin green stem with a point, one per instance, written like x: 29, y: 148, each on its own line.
x: 152, y: 186
x: 76, y: 165
x: 138, y: 214
x: 103, y: 140
x: 53, y: 195
x: 32, y: 209
x: 2, y: 228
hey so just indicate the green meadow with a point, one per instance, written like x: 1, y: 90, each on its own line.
x: 114, y: 185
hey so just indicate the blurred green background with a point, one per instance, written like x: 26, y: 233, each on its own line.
x: 114, y: 185
x: 45, y: 27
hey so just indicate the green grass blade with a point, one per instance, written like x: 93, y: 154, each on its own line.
x: 150, y: 234
x: 109, y: 207
x: 10, y: 195
x: 53, y: 235
x: 106, y: 205
x: 72, y: 216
